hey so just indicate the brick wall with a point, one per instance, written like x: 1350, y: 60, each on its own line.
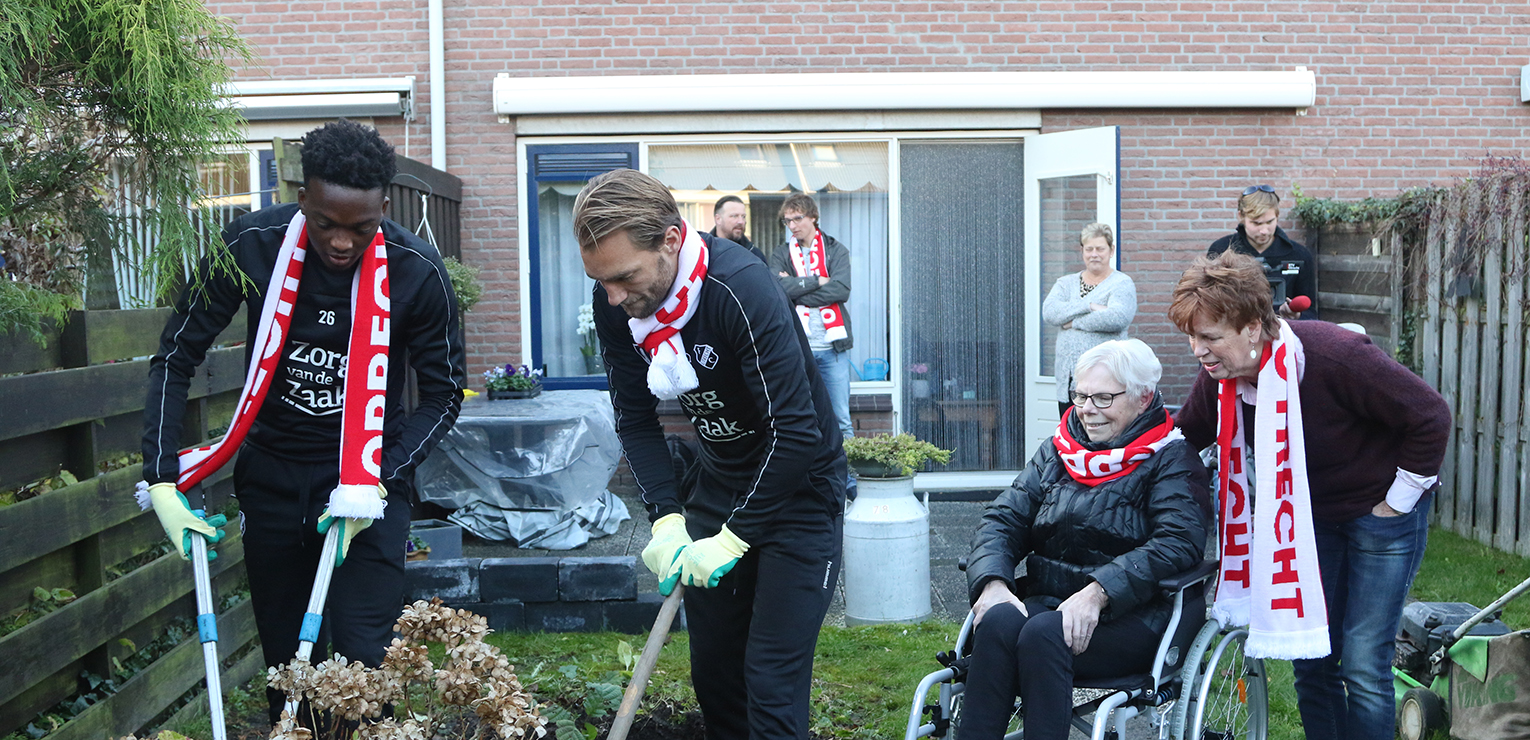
x: 1408, y: 94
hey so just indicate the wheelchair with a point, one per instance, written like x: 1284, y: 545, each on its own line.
x: 1201, y: 687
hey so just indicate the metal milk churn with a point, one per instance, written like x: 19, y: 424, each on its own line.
x: 887, y: 554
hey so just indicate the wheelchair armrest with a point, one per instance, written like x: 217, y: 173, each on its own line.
x: 1174, y: 584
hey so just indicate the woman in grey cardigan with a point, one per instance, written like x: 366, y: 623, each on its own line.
x: 1089, y: 307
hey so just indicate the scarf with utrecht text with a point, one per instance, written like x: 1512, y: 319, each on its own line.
x: 1093, y: 467
x: 366, y: 382
x: 815, y: 263
x: 1269, y: 576
x: 669, y: 370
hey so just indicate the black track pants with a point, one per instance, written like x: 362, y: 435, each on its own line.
x: 281, y: 502
x: 1014, y: 655
x: 753, y: 635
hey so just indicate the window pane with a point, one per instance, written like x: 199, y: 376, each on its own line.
x: 1068, y: 204
x: 565, y: 287
x: 963, y: 310
x: 847, y: 179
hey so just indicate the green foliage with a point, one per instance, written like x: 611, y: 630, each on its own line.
x: 106, y: 100
x: 464, y: 283
x: 25, y: 308
x: 899, y: 454
x: 1319, y: 212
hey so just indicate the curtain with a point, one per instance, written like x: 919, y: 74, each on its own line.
x: 564, y: 285
x: 962, y: 303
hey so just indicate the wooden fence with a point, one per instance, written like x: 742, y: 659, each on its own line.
x: 1467, y: 269
x: 78, y: 405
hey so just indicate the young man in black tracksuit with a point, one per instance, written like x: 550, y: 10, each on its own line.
x: 288, y: 465
x: 758, y: 535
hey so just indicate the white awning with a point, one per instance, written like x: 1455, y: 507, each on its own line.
x: 270, y: 100
x: 842, y: 91
x: 771, y: 167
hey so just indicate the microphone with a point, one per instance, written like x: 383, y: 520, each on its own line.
x: 1300, y: 303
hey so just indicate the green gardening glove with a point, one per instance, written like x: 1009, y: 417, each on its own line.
x: 669, y: 538
x: 349, y: 527
x: 704, y: 562
x: 176, y: 517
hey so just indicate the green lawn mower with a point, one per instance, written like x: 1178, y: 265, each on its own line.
x: 1460, y: 670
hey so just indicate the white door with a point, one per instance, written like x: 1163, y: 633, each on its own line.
x: 1070, y: 181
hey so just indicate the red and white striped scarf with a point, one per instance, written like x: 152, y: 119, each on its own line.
x: 1093, y: 467
x: 366, y: 382
x: 1269, y: 577
x: 669, y: 370
x: 815, y: 263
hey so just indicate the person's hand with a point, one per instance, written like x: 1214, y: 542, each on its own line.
x: 704, y: 562
x: 180, y: 522
x: 1081, y: 614
x: 1097, y: 307
x: 995, y: 592
x: 782, y: 274
x: 823, y: 280
x: 1285, y: 312
x: 669, y: 538
x: 349, y: 527
x: 1068, y: 325
x: 1384, y: 509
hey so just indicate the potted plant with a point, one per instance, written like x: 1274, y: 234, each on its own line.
x: 512, y: 382
x: 919, y: 386
x: 590, y: 349
x: 887, y: 531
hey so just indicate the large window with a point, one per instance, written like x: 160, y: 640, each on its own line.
x: 848, y: 180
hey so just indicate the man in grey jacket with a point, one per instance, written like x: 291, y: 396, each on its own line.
x: 815, y: 271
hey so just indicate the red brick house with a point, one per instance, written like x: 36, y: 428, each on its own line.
x: 926, y: 131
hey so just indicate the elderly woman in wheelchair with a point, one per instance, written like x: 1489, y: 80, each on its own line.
x: 1113, y: 505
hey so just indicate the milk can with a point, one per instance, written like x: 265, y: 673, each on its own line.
x: 887, y: 554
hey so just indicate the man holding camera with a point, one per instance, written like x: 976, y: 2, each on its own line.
x: 1289, y: 266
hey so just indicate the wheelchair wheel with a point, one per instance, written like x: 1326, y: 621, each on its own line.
x: 1231, y: 702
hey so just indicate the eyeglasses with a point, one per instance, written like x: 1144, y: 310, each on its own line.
x: 1250, y: 190
x: 789, y: 220
x: 1101, y: 400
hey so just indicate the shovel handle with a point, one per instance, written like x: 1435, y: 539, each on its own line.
x: 644, y: 667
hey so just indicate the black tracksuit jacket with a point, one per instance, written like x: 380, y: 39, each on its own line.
x: 1286, y: 260
x: 299, y: 419
x: 770, y: 447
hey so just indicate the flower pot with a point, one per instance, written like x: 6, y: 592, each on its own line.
x: 444, y: 539
x: 887, y: 553
x: 593, y: 365
x: 532, y: 392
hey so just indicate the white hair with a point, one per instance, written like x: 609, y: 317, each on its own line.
x: 1130, y: 361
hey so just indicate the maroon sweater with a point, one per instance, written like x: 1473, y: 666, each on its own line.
x: 1363, y: 416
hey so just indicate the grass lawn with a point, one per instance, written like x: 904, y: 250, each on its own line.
x: 864, y: 676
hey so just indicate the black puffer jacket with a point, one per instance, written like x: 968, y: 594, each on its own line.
x: 1128, y: 533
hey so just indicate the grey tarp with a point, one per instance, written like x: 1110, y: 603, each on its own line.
x: 532, y: 471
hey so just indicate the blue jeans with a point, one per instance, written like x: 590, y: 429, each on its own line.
x: 1367, y: 565
x: 834, y: 366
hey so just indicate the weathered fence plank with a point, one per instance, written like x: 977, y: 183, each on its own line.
x: 145, y: 695
x: 43, y: 647
x: 1450, y: 357
x: 1491, y: 374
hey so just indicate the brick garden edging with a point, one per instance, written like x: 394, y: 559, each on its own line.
x: 571, y: 594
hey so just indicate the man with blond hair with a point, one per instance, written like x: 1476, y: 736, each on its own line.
x: 1288, y: 265
x: 755, y: 533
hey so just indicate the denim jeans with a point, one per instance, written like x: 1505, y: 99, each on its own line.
x: 1367, y: 565
x: 834, y: 366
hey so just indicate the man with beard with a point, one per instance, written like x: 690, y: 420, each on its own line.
x: 755, y: 532
x: 731, y: 219
x: 1289, y: 266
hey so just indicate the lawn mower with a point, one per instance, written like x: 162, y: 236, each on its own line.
x: 1460, y: 670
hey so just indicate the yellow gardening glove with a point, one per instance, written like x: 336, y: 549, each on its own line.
x: 704, y: 562
x: 176, y: 517
x: 349, y: 527
x: 669, y: 537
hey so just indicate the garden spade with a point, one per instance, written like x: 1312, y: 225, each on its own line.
x: 207, y: 630
x: 314, y: 617
x: 644, y: 667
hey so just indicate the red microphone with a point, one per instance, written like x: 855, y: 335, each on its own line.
x: 1300, y: 304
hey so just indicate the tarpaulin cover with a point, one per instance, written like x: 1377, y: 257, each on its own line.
x: 532, y: 471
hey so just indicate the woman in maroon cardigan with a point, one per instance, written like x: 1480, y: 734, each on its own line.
x: 1374, y: 437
